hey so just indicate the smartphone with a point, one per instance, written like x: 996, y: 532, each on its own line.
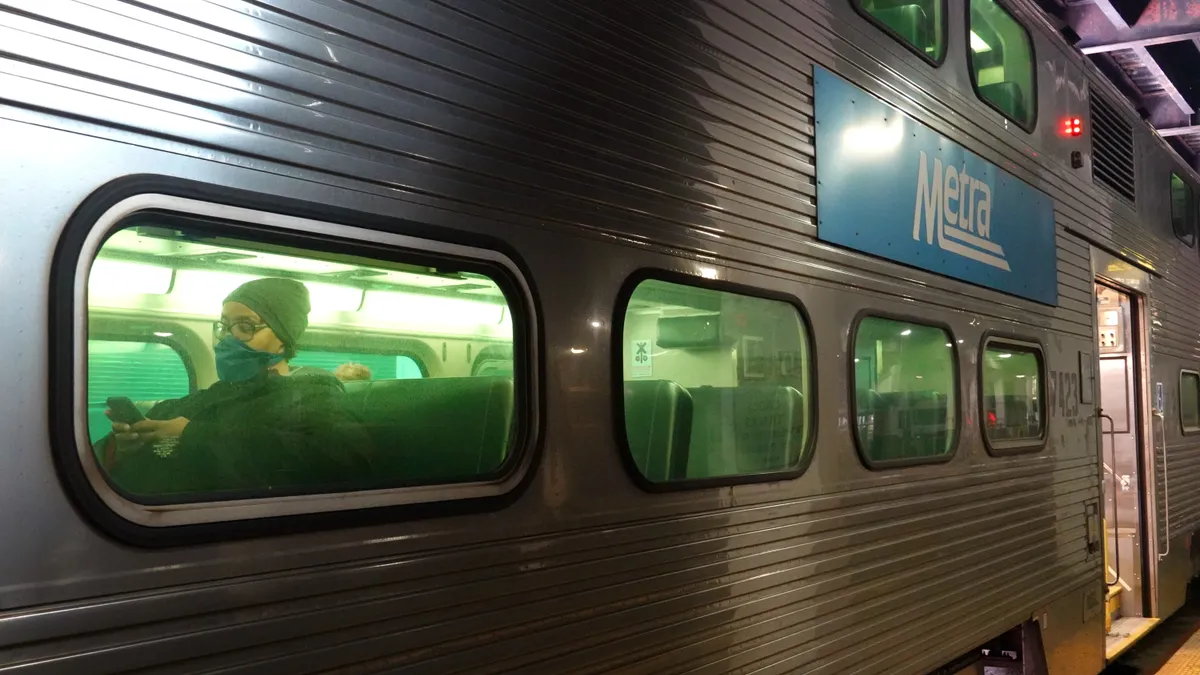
x: 124, y: 411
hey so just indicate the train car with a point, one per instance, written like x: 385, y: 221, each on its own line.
x: 704, y: 336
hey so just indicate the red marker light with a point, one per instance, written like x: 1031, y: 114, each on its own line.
x: 1072, y: 126
x: 991, y: 418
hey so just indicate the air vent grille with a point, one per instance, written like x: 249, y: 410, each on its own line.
x: 1112, y: 148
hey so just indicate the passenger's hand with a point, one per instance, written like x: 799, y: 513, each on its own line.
x: 151, y: 431
x: 124, y: 433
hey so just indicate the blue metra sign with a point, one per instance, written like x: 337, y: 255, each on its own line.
x: 890, y: 186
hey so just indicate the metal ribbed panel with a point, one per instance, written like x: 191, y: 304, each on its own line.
x: 945, y: 562
x: 683, y: 127
x: 1112, y: 148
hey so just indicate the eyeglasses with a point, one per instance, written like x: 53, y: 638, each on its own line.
x: 242, y: 329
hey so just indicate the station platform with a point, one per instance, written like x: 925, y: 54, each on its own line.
x: 1185, y: 661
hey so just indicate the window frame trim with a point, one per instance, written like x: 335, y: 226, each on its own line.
x: 852, y: 389
x: 1033, y: 122
x: 621, y: 436
x: 275, y: 217
x: 1186, y: 430
x: 1016, y: 446
x: 887, y: 30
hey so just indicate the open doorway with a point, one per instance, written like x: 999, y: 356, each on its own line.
x: 1119, y: 344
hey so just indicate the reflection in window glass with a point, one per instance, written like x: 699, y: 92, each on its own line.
x: 144, y: 372
x: 1189, y: 400
x: 1001, y: 58
x: 350, y: 367
x: 904, y: 384
x: 268, y: 415
x: 716, y: 383
x: 1012, y: 398
x: 920, y: 23
x: 1181, y: 217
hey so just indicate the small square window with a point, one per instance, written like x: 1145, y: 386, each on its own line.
x: 1002, y: 64
x: 1012, y: 392
x: 905, y: 392
x: 1189, y: 401
x: 1183, y: 220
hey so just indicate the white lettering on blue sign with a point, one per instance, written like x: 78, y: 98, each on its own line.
x: 891, y: 187
x: 956, y: 210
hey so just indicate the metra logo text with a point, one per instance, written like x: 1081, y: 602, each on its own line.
x: 958, y: 208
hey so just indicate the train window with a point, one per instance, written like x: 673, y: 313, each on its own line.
x: 716, y: 384
x: 905, y: 397
x: 1002, y: 64
x: 919, y: 24
x: 1189, y: 401
x: 1183, y: 220
x: 142, y: 371
x: 269, y: 415
x: 1011, y: 383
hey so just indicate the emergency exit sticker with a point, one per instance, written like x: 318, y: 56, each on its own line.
x: 641, y: 361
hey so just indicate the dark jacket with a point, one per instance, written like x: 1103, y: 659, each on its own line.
x: 268, y: 435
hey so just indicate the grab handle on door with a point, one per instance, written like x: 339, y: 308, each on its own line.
x: 1112, y: 434
x: 1162, y: 421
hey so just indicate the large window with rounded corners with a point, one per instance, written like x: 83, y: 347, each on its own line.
x: 905, y: 392
x: 267, y: 414
x: 1002, y: 67
x: 919, y: 24
x: 1189, y: 401
x: 716, y: 383
x: 1012, y: 381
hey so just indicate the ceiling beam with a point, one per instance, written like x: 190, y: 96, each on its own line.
x: 1168, y: 86
x: 1179, y: 131
x: 1176, y: 35
x: 1114, y: 17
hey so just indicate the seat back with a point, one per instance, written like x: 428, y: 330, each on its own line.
x: 658, y: 425
x: 904, y: 424
x: 928, y: 429
x: 1013, y: 416
x: 434, y: 430
x: 745, y: 429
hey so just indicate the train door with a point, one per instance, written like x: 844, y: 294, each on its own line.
x: 1121, y: 419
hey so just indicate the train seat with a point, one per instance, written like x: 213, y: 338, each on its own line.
x: 766, y: 431
x: 1011, y: 417
x: 906, y: 424
x: 436, y: 430
x: 658, y: 425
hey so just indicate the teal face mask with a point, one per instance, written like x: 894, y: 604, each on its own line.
x: 236, y: 362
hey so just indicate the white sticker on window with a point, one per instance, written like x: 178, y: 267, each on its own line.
x: 641, y: 359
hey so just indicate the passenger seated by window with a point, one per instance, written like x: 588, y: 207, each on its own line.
x: 261, y: 427
x: 352, y: 372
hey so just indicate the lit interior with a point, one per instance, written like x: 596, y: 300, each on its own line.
x: 169, y: 274
x: 978, y: 45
